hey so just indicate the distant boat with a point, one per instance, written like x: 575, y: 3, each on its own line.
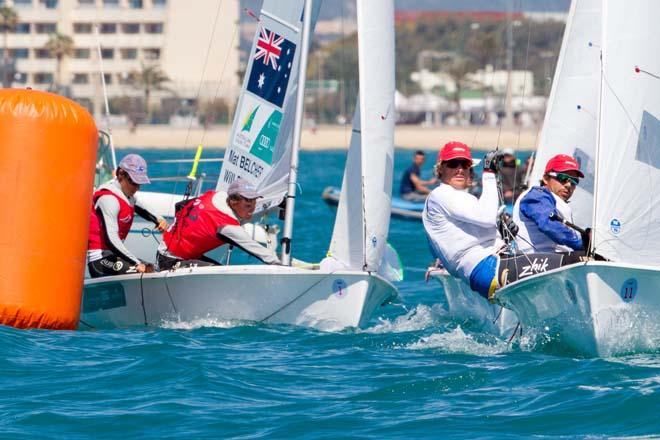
x: 400, y: 208
x: 352, y: 282
x: 604, y: 109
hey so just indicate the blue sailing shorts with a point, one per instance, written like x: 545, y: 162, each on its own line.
x: 483, y: 278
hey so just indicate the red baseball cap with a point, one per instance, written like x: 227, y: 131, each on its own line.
x: 454, y: 150
x: 563, y: 162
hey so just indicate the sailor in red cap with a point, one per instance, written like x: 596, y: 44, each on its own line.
x: 461, y: 229
x: 540, y: 210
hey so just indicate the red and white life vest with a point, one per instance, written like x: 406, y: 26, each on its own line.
x: 97, y: 236
x: 193, y: 232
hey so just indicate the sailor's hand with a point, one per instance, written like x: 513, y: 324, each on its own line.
x: 162, y: 225
x: 507, y: 226
x: 492, y: 161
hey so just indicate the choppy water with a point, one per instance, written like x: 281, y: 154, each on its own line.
x: 413, y: 373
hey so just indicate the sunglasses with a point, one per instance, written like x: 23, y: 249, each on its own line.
x: 455, y: 163
x: 563, y: 178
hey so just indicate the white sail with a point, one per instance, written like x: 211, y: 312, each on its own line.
x: 261, y: 135
x: 627, y: 209
x: 363, y: 216
x: 570, y: 125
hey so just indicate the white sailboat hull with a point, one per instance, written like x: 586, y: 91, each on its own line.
x: 272, y: 294
x: 595, y: 308
x: 469, y: 307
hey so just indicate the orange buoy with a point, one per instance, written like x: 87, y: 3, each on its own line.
x: 47, y: 158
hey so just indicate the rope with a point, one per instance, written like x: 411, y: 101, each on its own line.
x: 296, y: 298
x: 144, y: 310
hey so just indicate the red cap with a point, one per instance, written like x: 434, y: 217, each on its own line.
x: 561, y: 163
x: 454, y: 150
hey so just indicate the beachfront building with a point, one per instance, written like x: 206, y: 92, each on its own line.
x: 193, y: 42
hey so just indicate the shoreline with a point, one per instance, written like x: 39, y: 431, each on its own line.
x: 332, y: 137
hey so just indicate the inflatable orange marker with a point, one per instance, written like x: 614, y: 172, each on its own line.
x: 47, y: 159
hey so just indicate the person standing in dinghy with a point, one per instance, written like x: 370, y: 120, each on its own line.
x: 462, y: 230
x: 540, y: 211
x: 209, y: 221
x: 114, y: 206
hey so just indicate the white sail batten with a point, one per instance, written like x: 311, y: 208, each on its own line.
x: 627, y: 217
x: 360, y: 234
x: 570, y: 125
x: 260, y: 141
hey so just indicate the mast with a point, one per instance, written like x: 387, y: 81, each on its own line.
x: 592, y: 247
x: 105, y: 98
x: 297, y: 128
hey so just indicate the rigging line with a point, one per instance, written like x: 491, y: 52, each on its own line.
x: 169, y: 294
x: 509, y: 70
x: 144, y: 310
x: 522, y: 105
x: 88, y: 325
x: 296, y: 298
x: 222, y: 75
x: 201, y: 81
x: 489, y: 83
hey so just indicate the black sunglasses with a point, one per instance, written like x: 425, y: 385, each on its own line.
x: 455, y: 163
x: 563, y: 178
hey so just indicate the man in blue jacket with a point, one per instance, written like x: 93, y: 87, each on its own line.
x: 540, y: 210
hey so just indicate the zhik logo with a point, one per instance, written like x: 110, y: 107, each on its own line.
x: 537, y: 266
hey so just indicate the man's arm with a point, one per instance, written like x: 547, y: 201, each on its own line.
x: 420, y: 185
x: 143, y: 210
x: 108, y: 207
x: 237, y: 236
x: 538, y: 207
x: 464, y: 207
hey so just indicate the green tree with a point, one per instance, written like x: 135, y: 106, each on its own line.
x: 148, y: 79
x: 8, y: 21
x: 60, y: 46
x: 458, y: 70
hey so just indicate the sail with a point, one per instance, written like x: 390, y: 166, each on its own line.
x: 627, y: 208
x: 363, y: 217
x: 259, y: 147
x: 570, y: 125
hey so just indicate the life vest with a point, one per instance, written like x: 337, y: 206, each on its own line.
x: 97, y: 236
x: 194, y: 231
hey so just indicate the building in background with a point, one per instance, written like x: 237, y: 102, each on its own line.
x: 193, y: 42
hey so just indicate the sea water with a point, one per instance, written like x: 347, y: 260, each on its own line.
x: 411, y: 373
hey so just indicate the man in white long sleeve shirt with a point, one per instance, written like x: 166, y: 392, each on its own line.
x: 209, y: 221
x: 114, y: 206
x: 461, y: 229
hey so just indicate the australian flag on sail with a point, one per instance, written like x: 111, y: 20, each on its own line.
x: 271, y: 66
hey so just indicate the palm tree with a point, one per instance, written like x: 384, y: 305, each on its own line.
x: 8, y: 21
x: 59, y: 46
x: 458, y: 70
x: 149, y: 78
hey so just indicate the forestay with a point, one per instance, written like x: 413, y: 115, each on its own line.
x: 260, y: 140
x: 570, y: 125
x: 627, y: 209
x: 363, y: 216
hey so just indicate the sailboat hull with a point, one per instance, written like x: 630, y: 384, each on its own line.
x: 470, y: 308
x: 272, y: 294
x: 594, y: 308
